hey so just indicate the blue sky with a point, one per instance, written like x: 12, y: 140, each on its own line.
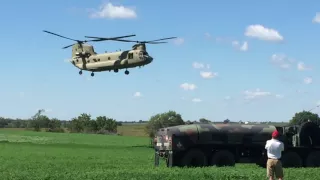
x: 242, y: 60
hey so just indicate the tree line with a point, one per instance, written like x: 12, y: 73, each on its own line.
x: 84, y: 123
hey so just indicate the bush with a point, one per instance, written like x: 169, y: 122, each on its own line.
x: 167, y: 119
x: 56, y: 130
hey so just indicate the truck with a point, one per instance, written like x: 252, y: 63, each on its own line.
x: 200, y: 145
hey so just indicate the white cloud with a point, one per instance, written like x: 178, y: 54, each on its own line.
x: 318, y: 103
x: 208, y: 74
x: 282, y: 61
x: 316, y: 18
x: 237, y: 45
x: 307, y: 80
x: 196, y: 100
x: 198, y: 65
x: 244, y: 46
x: 178, y: 41
x: 208, y: 35
x: 187, y: 86
x: 227, y: 98
x: 302, y: 67
x: 204, y: 74
x: 110, y: 11
x: 279, y: 96
x: 255, y: 94
x: 137, y: 94
x: 263, y: 33
x: 301, y: 92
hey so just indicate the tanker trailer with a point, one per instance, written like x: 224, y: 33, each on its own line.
x: 301, y: 145
x: 201, y: 145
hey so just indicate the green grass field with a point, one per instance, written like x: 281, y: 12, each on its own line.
x: 41, y: 155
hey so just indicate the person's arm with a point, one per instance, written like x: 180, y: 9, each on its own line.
x: 267, y: 145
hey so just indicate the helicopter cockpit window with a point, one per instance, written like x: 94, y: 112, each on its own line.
x: 145, y: 53
x: 130, y: 55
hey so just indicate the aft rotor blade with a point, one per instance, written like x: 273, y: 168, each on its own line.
x: 110, y: 37
x: 59, y: 35
x: 156, y: 42
x: 161, y: 39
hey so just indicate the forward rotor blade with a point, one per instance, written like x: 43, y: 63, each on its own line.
x: 110, y: 37
x: 113, y: 40
x: 67, y: 46
x: 123, y: 40
x: 60, y: 35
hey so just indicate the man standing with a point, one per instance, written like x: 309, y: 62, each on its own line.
x: 274, y: 148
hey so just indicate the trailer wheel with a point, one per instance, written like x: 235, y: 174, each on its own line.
x: 291, y: 159
x: 194, y: 158
x: 313, y: 159
x: 223, y: 158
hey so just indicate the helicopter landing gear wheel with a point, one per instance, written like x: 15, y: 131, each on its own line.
x: 92, y: 74
x: 80, y: 72
x: 116, y: 70
x: 126, y: 72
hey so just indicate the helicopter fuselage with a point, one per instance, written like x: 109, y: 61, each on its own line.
x: 110, y: 61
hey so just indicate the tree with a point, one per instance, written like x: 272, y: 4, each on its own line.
x: 38, y: 121
x: 101, y: 122
x: 3, y: 122
x: 81, y: 123
x: 304, y: 116
x: 106, y: 125
x: 203, y: 120
x: 54, y: 125
x: 162, y: 120
x: 111, y: 125
x: 226, y: 121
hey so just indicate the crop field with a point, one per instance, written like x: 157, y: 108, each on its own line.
x: 41, y: 155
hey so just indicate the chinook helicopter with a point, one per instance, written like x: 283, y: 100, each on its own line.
x: 86, y: 59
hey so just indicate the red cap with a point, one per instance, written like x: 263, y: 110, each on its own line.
x: 275, y: 134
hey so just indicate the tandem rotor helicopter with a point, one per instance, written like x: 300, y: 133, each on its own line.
x: 86, y: 59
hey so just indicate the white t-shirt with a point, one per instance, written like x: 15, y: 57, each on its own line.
x: 274, y: 148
